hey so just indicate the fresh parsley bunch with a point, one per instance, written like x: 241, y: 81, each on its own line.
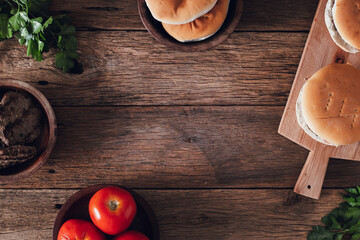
x: 343, y: 222
x: 29, y: 22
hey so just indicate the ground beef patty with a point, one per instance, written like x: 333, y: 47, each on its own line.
x: 20, y: 119
x: 14, y: 155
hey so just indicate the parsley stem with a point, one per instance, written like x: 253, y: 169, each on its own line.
x: 9, y: 3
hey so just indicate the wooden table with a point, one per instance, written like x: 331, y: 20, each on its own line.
x: 194, y: 133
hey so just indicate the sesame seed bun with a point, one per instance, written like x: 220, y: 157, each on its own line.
x: 202, y: 27
x: 328, y: 105
x: 179, y: 11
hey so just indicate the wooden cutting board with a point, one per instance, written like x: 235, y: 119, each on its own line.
x: 319, y: 51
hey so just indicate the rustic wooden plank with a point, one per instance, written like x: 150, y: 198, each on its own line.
x: 183, y: 214
x: 131, y: 68
x: 321, y: 45
x: 259, y: 15
x: 176, y: 147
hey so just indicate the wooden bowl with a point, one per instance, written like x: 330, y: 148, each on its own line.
x: 76, y: 207
x: 158, y: 32
x: 45, y: 142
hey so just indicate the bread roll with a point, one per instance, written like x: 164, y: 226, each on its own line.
x: 342, y: 18
x: 202, y: 27
x: 328, y: 106
x: 179, y: 11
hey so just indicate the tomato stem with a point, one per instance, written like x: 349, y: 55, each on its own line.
x: 113, y: 205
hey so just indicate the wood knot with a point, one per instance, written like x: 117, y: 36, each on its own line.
x: 202, y: 218
x: 188, y: 140
x: 58, y: 206
x: 340, y: 60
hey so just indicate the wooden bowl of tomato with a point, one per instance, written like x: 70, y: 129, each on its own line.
x: 94, y: 205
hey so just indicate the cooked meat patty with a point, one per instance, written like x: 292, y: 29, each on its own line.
x: 10, y: 156
x: 20, y: 119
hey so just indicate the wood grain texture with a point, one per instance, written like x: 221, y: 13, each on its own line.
x: 131, y: 68
x: 176, y: 147
x: 259, y: 15
x: 320, y: 50
x: 109, y: 133
x: 183, y: 214
x: 312, y: 175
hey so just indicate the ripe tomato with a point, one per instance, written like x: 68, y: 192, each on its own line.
x: 76, y: 229
x: 131, y: 235
x: 112, y: 210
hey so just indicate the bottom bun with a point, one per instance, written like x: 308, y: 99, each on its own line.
x: 301, y: 121
x: 201, y: 28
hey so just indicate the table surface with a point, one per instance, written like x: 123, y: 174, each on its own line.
x: 194, y: 133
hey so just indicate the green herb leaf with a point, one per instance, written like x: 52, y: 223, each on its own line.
x: 47, y: 23
x: 320, y: 233
x: 18, y: 21
x: 36, y: 25
x: 63, y: 61
x: 33, y: 50
x: 5, y: 31
x: 343, y: 221
x: 338, y: 236
x: 38, y: 36
x: 355, y: 236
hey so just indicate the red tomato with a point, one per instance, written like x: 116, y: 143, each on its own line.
x: 131, y: 235
x: 76, y: 229
x: 112, y: 210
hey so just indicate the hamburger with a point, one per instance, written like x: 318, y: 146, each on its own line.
x: 328, y: 105
x: 189, y: 21
x: 342, y: 19
x: 202, y: 27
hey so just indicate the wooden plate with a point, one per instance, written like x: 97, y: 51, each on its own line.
x: 76, y: 207
x: 157, y: 31
x: 319, y: 51
x: 44, y: 144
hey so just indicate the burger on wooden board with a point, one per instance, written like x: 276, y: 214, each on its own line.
x: 189, y: 21
x: 342, y: 18
x: 328, y: 105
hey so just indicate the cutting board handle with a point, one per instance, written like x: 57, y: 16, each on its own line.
x: 312, y: 176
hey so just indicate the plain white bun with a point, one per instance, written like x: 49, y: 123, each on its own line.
x: 179, y: 11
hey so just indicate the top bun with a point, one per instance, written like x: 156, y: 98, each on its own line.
x: 179, y: 11
x: 330, y: 104
x: 347, y: 20
x: 202, y: 27
x: 342, y: 19
x: 335, y: 35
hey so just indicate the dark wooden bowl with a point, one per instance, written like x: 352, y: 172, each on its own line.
x: 44, y: 144
x: 76, y: 207
x: 158, y: 32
